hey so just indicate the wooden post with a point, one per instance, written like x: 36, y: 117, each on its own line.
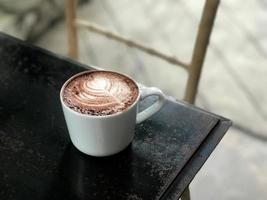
x: 200, y: 48
x: 186, y: 194
x: 70, y: 12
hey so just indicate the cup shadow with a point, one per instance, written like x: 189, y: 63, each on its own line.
x: 81, y: 176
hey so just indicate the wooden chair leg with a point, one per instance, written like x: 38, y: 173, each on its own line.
x: 200, y: 49
x: 70, y: 12
x: 186, y: 194
x: 201, y: 44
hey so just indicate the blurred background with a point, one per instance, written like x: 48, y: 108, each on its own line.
x: 233, y: 81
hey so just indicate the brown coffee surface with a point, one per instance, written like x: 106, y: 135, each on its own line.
x: 100, y: 93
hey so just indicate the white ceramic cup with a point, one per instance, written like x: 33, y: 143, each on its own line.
x: 109, y: 134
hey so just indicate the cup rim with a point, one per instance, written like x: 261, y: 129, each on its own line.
x: 98, y: 116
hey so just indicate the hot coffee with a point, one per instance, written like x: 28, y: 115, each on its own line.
x: 108, y: 102
x: 100, y: 93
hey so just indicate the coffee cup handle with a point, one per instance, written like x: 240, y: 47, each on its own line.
x: 155, y: 107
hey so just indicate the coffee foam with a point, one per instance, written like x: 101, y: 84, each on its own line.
x: 100, y: 93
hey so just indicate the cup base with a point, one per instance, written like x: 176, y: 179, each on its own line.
x: 106, y: 154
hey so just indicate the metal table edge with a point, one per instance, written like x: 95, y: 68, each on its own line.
x: 194, y: 107
x: 197, y: 160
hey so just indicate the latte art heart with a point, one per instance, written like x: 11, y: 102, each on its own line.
x: 100, y: 93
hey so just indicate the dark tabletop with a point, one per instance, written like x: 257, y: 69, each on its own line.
x: 38, y: 161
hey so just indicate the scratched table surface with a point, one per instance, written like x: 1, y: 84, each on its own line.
x: 38, y: 161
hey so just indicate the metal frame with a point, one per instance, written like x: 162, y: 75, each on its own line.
x: 193, y: 69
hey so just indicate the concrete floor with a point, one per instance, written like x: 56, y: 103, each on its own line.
x: 233, y: 82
